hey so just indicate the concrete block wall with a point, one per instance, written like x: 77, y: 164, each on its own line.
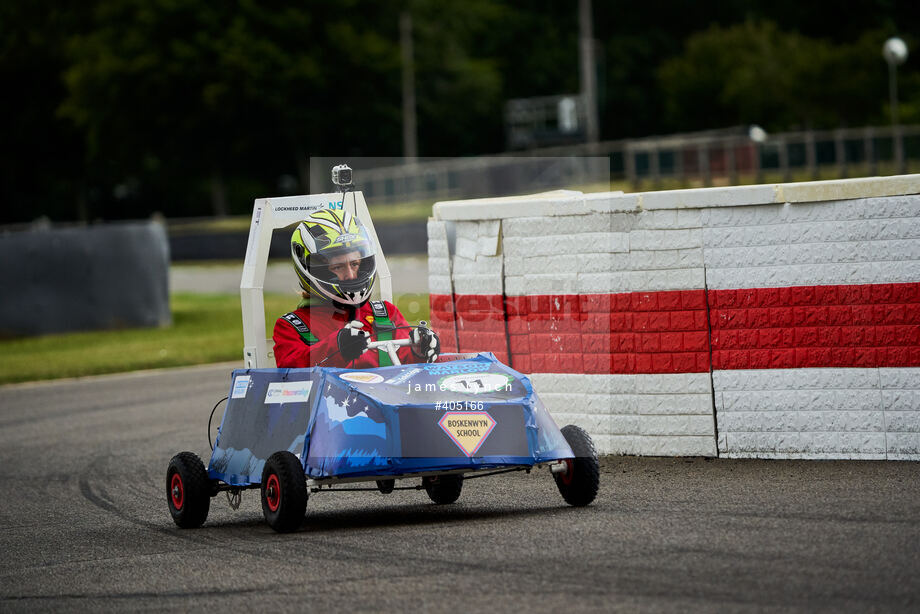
x: 810, y: 304
x: 819, y: 413
x: 603, y: 303
x: 622, y: 300
x: 746, y: 321
x: 651, y: 414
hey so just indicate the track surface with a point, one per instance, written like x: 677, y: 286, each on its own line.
x: 84, y: 526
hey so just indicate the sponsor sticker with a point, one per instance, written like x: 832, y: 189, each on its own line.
x: 456, y: 367
x: 467, y: 429
x: 379, y: 309
x: 304, y: 208
x: 288, y: 392
x: 404, y: 376
x: 346, y: 238
x: 362, y: 377
x: 250, y: 252
x: 240, y: 387
x: 476, y: 383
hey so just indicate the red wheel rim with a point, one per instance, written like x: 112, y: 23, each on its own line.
x: 273, y: 493
x: 176, y: 491
x: 569, y: 471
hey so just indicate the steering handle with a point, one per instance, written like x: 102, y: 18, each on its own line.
x: 389, y: 346
x: 373, y: 345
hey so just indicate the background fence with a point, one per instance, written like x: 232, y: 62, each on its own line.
x: 717, y: 157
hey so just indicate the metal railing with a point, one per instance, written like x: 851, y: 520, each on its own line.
x: 808, y: 154
x: 716, y: 157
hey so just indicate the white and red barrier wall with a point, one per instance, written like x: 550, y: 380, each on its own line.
x: 774, y: 321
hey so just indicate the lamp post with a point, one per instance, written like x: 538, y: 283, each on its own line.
x: 410, y: 136
x: 587, y: 70
x: 758, y: 137
x: 895, y: 52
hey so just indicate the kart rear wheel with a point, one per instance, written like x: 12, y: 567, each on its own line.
x: 188, y: 490
x: 284, y: 492
x: 443, y: 489
x: 578, y: 485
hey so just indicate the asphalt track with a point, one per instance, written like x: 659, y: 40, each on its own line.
x: 85, y: 527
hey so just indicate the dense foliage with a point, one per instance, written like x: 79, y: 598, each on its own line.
x: 119, y: 108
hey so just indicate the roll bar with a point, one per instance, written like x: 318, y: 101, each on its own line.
x: 269, y: 214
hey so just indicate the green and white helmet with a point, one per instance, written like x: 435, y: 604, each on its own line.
x: 320, y: 238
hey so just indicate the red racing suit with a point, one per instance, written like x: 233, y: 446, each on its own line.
x: 309, y: 334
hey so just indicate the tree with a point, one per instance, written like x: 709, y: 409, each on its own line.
x: 118, y: 108
x: 756, y: 73
x: 167, y: 88
x: 180, y: 88
x: 43, y: 169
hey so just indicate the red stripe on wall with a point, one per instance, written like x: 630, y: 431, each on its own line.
x: 636, y: 332
x: 874, y: 325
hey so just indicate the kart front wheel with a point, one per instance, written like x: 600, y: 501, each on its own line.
x: 443, y: 489
x: 188, y: 490
x: 284, y: 492
x: 578, y: 484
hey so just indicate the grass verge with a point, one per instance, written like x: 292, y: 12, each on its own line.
x: 206, y: 328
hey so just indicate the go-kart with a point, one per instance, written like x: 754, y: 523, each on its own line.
x: 295, y: 432
x: 292, y: 432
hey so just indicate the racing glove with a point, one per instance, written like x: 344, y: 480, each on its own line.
x: 425, y: 344
x: 352, y: 341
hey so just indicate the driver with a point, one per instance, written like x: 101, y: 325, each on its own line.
x: 334, y: 261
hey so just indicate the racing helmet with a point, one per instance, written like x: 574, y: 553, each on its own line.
x: 327, y: 238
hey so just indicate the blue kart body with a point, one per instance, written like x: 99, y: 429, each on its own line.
x: 467, y: 413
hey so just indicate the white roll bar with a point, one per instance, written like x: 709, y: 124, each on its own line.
x: 269, y: 214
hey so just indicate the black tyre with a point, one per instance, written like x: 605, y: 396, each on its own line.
x: 188, y: 490
x: 578, y: 485
x: 386, y: 486
x: 443, y: 488
x: 284, y: 492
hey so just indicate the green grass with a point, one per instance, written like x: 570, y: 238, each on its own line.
x: 206, y: 328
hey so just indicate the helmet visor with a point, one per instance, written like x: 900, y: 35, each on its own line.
x: 348, y: 266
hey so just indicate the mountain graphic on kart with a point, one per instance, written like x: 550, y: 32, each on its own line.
x: 293, y: 432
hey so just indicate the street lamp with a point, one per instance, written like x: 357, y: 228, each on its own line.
x: 758, y: 137
x: 895, y: 52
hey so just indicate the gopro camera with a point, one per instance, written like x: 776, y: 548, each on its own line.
x: 341, y: 176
